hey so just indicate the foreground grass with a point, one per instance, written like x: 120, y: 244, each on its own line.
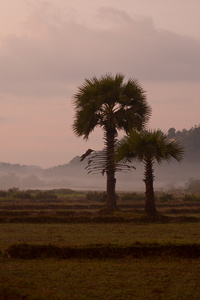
x: 96, y: 279
x: 83, y: 234
x: 151, y: 277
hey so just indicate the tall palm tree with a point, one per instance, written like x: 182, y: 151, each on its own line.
x: 113, y: 105
x: 148, y: 147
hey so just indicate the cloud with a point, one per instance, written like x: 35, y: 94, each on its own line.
x: 51, y: 57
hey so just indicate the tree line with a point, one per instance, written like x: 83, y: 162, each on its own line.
x: 190, y: 139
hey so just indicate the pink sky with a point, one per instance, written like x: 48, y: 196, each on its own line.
x: 48, y: 48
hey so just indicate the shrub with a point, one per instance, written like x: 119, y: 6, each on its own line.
x: 45, y: 195
x: 191, y: 198
x: 64, y: 192
x: 3, y: 194
x: 132, y: 196
x: 15, y: 193
x: 23, y: 195
x: 165, y: 197
x: 96, y: 196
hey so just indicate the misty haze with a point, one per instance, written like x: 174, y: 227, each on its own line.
x: 74, y: 175
x: 46, y: 52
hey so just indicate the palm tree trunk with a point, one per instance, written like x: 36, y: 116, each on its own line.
x: 150, y: 207
x: 111, y: 195
x: 110, y: 169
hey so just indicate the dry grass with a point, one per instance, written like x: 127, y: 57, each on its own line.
x: 93, y: 279
x: 127, y: 278
x: 83, y: 234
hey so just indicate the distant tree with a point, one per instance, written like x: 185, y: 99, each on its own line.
x: 148, y: 147
x: 172, y: 133
x: 190, y: 139
x: 113, y: 105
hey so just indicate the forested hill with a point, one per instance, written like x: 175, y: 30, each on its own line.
x: 190, y: 139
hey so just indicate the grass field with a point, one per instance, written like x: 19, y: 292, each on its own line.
x: 95, y: 279
x: 83, y: 234
x: 149, y: 277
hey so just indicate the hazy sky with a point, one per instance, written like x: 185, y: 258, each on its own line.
x: 48, y: 48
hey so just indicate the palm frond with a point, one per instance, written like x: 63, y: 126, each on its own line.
x: 148, y: 145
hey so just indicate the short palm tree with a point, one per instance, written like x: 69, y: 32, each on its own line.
x: 148, y: 147
x: 113, y: 105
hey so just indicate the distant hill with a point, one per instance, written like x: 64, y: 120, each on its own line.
x: 17, y: 168
x: 73, y: 174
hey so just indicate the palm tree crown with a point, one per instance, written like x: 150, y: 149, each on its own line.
x: 110, y: 103
x: 149, y: 145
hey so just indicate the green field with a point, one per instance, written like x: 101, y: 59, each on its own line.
x: 64, y: 222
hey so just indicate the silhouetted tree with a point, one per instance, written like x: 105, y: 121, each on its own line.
x: 148, y: 147
x: 113, y: 105
x: 190, y: 139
